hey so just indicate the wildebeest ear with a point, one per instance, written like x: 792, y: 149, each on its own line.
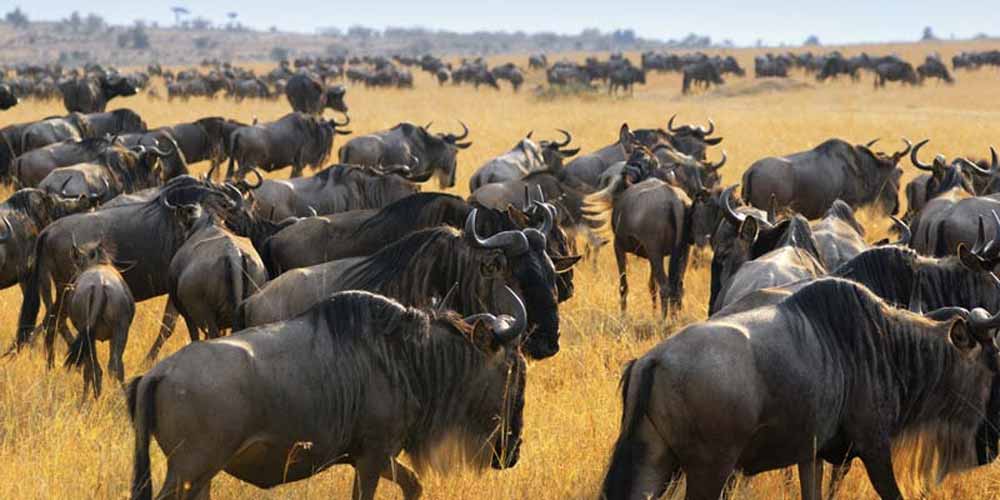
x: 970, y: 259
x: 564, y: 263
x: 626, y: 138
x: 961, y: 337
x: 713, y: 141
x: 749, y: 229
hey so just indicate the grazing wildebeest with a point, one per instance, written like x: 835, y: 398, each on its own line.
x: 839, y: 236
x: 101, y: 307
x: 296, y: 140
x: 704, y: 73
x: 209, y: 275
x: 651, y: 219
x: 766, y: 257
x: 803, y: 380
x: 893, y: 69
x: 537, y: 61
x: 808, y: 182
x: 625, y: 77
x: 356, y: 379
x: 7, y: 98
x: 421, y: 268
x: 23, y: 215
x: 933, y: 67
x: 337, y: 188
x: 524, y: 158
x: 769, y: 67
x: 410, y: 145
x: 117, y: 172
x: 91, y: 95
x: 307, y: 94
x: 143, y: 234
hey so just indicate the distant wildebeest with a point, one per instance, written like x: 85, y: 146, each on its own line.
x: 296, y: 140
x: 840, y: 362
x: 421, y: 268
x: 410, y: 145
x: 893, y: 69
x: 337, y: 188
x: 144, y: 234
x: 7, y: 98
x: 23, y: 215
x: 651, y: 219
x: 933, y: 67
x: 625, y: 78
x: 91, y: 95
x: 769, y: 67
x: 808, y: 182
x: 524, y: 158
x: 511, y: 73
x: 76, y: 126
x: 209, y: 276
x: 392, y: 379
x: 249, y: 88
x: 307, y: 94
x: 703, y: 74
x: 537, y: 61
x: 101, y: 307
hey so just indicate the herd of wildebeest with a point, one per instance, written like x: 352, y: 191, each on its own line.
x: 371, y: 317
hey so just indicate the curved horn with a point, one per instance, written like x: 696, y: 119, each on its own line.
x: 428, y: 126
x: 905, y: 234
x: 529, y: 134
x: 465, y: 131
x: 8, y: 232
x: 977, y: 247
x: 569, y: 139
x: 709, y: 130
x: 994, y: 163
x: 347, y: 121
x: 506, y: 332
x: 979, y: 319
x: 976, y: 169
x: 719, y: 165
x: 513, y: 242
x: 161, y: 152
x: 727, y: 210
x: 670, y: 124
x: 871, y: 143
x: 916, y: 161
x: 905, y: 150
x: 547, y: 218
x: 260, y: 179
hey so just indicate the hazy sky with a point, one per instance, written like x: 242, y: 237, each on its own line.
x: 774, y: 21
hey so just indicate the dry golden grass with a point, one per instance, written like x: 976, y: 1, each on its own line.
x: 52, y: 447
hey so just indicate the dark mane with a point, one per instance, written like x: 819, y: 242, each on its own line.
x: 793, y: 232
x: 414, y: 271
x: 841, y: 210
x: 833, y: 145
x: 21, y: 199
x: 902, y: 359
x: 417, y: 211
x: 887, y: 270
x: 338, y: 173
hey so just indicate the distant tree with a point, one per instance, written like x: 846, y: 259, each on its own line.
x: 135, y: 38
x: 273, y: 29
x: 232, y: 20
x: 74, y: 21
x: 812, y: 41
x: 928, y: 35
x: 201, y: 24
x: 179, y: 12
x: 17, y: 18
x: 93, y: 23
x: 361, y: 32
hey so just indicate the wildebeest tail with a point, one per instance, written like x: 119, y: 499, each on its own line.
x: 233, y: 152
x: 264, y: 250
x: 598, y: 207
x: 83, y: 347
x: 628, y: 452
x: 31, y: 295
x: 141, y: 396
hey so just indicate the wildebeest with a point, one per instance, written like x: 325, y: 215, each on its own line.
x: 933, y: 67
x: 296, y: 139
x: 410, y: 145
x: 770, y: 67
x: 839, y: 236
x: 101, y: 307
x: 704, y: 73
x: 356, y: 379
x: 839, y: 363
x: 307, y: 94
x: 961, y: 175
x: 91, y: 95
x: 537, y: 61
x: 525, y: 157
x: 7, y: 98
x: 651, y: 219
x: 337, y: 188
x: 421, y: 268
x: 625, y: 77
x: 511, y: 73
x: 144, y: 234
x: 894, y: 69
x: 76, y: 126
x: 808, y: 182
x: 205, y: 139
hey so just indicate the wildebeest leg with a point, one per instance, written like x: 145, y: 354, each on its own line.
x: 652, y: 285
x: 166, y: 330
x: 118, y: 341
x: 878, y: 463
x: 706, y: 481
x: 837, y: 474
x: 620, y: 258
x: 656, y: 271
x: 366, y: 473
x: 678, y: 266
x: 174, y: 487
x: 56, y: 321
x: 811, y: 479
x: 405, y: 478
x: 193, y: 332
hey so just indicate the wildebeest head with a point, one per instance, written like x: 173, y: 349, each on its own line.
x: 945, y: 176
x: 503, y: 392
x: 524, y: 263
x: 442, y: 154
x: 692, y: 140
x: 880, y: 175
x: 118, y: 86
x: 7, y: 98
x: 534, y: 214
x: 554, y: 152
x: 734, y: 239
x: 690, y: 174
x: 335, y: 98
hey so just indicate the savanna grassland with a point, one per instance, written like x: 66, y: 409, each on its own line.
x: 52, y: 446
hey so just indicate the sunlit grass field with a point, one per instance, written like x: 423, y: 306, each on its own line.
x: 51, y: 446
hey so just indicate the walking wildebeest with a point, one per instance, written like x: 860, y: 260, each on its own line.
x: 410, y: 145
x: 421, y: 268
x: 307, y: 94
x: 524, y: 158
x: 830, y: 373
x: 101, y: 307
x: 893, y: 69
x: 356, y: 379
x: 91, y: 95
x: 808, y: 182
x: 296, y: 140
x: 704, y: 73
